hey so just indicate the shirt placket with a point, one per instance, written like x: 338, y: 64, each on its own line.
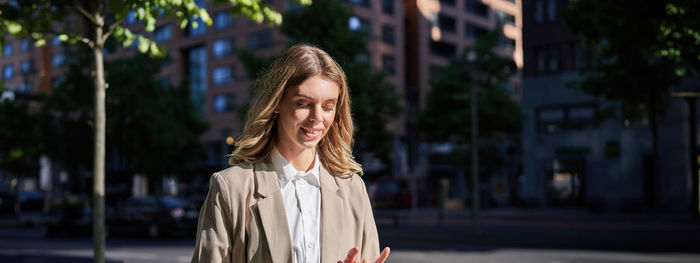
x: 299, y: 188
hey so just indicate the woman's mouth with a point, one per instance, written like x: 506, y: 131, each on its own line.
x: 311, y: 133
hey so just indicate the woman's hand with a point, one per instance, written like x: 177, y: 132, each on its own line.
x: 353, y: 252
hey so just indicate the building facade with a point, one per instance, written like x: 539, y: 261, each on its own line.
x: 573, y: 156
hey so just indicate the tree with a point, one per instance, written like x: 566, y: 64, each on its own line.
x: 104, y: 18
x: 447, y: 111
x: 20, y: 145
x: 325, y: 24
x: 640, y: 51
x: 153, y: 125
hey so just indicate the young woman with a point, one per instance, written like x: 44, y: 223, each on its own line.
x: 293, y: 193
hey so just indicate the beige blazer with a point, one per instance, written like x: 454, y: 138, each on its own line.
x: 243, y: 218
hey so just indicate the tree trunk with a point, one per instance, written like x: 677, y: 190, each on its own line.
x: 655, y: 175
x: 98, y: 211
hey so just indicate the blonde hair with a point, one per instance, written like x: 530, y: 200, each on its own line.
x: 292, y: 68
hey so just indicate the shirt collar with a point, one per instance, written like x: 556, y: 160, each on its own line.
x: 286, y: 172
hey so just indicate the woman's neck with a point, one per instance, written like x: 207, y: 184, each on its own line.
x: 300, y: 159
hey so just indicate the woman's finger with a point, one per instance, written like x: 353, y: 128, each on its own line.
x: 350, y: 258
x: 383, y: 256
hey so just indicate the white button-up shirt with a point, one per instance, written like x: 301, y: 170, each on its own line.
x: 301, y: 193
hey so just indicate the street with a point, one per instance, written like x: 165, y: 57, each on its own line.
x: 522, y: 238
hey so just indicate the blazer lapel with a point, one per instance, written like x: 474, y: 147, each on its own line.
x: 331, y: 218
x: 272, y: 213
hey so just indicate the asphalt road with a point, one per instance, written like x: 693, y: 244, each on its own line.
x: 503, y: 238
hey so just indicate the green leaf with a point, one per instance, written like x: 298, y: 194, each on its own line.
x: 205, y: 16
x: 40, y: 42
x: 144, y: 43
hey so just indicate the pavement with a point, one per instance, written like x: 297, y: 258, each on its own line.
x: 505, y: 235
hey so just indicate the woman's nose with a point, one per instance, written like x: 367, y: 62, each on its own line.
x: 315, y: 114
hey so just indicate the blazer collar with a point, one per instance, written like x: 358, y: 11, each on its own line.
x: 272, y: 214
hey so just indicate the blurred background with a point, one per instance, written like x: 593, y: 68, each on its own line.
x: 586, y: 127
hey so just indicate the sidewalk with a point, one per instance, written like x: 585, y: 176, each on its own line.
x: 533, y: 217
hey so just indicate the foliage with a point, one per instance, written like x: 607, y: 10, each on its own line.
x: 152, y: 124
x: 19, y: 137
x: 36, y: 18
x: 325, y: 24
x: 447, y: 114
x: 641, y: 49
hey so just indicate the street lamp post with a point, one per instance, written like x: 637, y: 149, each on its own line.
x: 472, y: 62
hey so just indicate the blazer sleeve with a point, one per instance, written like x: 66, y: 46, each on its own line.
x: 370, y: 238
x: 215, y: 224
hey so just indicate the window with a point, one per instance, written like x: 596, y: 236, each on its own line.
x: 565, y: 117
x: 201, y: 27
x: 260, y: 40
x: 541, y: 57
x: 223, y: 19
x: 551, y: 10
x: 24, y: 45
x: 223, y: 47
x: 447, y: 23
x: 474, y: 31
x: 389, y: 64
x: 553, y: 59
x: 506, y: 42
x: 505, y: 18
x: 362, y: 58
x: 8, y: 71
x: 55, y: 41
x: 7, y: 50
x: 57, y: 60
x: 477, y: 7
x: 443, y: 49
x: 388, y: 34
x: 26, y: 87
x: 197, y: 71
x: 26, y: 66
x: 162, y: 33
x: 55, y: 81
x: 224, y: 102
x: 131, y: 17
x: 364, y: 3
x: 223, y: 75
x: 448, y: 2
x: 294, y: 6
x: 388, y: 6
x: 539, y: 11
x: 358, y: 24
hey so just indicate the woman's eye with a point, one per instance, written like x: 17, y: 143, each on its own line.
x: 302, y: 105
x: 328, y: 108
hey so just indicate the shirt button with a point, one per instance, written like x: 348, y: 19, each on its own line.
x: 310, y: 245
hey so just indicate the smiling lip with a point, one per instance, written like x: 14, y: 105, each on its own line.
x: 311, y: 133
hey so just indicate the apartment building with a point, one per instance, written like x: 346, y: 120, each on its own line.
x: 571, y: 156
x: 206, y: 58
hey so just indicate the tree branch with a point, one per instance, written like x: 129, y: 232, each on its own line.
x: 85, y: 14
x: 111, y: 29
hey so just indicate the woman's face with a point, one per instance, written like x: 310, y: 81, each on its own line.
x: 306, y: 113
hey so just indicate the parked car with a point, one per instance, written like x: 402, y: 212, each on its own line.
x: 69, y: 218
x: 153, y: 216
x: 7, y: 203
x: 390, y: 194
